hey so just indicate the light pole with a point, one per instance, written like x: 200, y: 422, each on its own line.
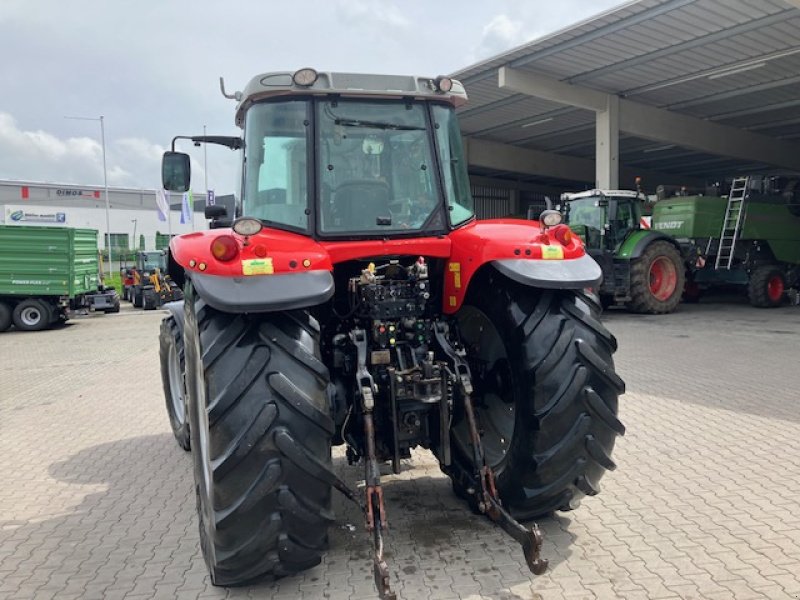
x: 135, y: 246
x: 105, y: 179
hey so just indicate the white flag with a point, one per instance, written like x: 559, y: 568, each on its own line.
x: 162, y: 205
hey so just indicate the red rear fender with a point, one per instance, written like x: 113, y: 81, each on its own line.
x: 270, y: 252
x: 520, y: 250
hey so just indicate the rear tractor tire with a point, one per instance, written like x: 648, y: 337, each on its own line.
x: 5, y: 316
x: 657, y: 279
x: 261, y: 440
x: 767, y: 287
x: 545, y: 395
x: 173, y: 367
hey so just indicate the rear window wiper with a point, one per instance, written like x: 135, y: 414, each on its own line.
x: 376, y: 125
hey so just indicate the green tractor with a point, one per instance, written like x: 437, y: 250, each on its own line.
x: 749, y: 239
x: 642, y: 269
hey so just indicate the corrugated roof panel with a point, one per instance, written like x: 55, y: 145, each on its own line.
x: 526, y: 108
x: 662, y: 53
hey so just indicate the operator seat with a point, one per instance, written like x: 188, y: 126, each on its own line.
x: 358, y: 203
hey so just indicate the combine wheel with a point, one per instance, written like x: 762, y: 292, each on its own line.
x: 5, y: 316
x: 657, y: 279
x: 173, y: 365
x: 31, y: 315
x: 766, y: 287
x: 545, y: 395
x: 261, y: 430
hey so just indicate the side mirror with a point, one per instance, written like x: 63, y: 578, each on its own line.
x: 176, y: 171
x: 215, y: 211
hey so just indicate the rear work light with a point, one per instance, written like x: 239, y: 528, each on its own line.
x: 224, y: 248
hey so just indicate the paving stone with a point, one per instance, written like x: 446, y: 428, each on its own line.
x: 705, y: 502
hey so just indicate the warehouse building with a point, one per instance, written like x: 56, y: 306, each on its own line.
x: 683, y: 92
x: 133, y: 217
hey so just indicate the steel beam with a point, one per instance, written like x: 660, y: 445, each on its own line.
x: 658, y: 124
x: 606, y: 144
x: 486, y: 154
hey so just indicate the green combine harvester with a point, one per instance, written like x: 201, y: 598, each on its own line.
x: 749, y: 239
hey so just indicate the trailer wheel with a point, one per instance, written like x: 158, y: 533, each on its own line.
x: 261, y: 440
x: 545, y: 395
x: 5, y: 316
x: 31, y: 315
x: 173, y: 367
x: 657, y: 279
x: 766, y: 287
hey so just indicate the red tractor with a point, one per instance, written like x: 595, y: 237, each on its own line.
x: 355, y: 299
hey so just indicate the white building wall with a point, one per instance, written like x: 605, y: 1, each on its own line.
x: 122, y: 221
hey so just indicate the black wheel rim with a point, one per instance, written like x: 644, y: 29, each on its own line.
x: 494, y: 397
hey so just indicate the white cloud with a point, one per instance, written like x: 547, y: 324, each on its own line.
x: 371, y: 13
x: 41, y: 156
x: 500, y: 34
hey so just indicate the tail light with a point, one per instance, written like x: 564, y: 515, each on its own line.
x: 224, y: 248
x: 563, y: 235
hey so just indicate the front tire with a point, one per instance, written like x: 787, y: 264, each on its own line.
x: 173, y: 367
x: 657, y: 279
x: 137, y: 297
x: 545, y: 395
x: 261, y: 440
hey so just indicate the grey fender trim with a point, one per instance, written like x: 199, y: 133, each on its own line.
x: 176, y: 310
x: 571, y: 274
x: 264, y: 293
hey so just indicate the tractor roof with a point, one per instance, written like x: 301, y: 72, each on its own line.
x: 269, y: 85
x: 591, y: 193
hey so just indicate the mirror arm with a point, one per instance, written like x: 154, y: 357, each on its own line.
x: 232, y: 142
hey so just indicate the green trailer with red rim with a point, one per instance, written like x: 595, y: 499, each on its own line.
x: 763, y: 257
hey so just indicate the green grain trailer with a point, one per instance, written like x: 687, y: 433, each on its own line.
x: 750, y: 239
x: 44, y: 271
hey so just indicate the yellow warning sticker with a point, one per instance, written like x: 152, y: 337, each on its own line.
x: 257, y: 266
x: 452, y: 300
x: 455, y: 267
x: 457, y: 280
x: 552, y: 252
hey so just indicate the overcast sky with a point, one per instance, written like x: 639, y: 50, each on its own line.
x: 151, y: 68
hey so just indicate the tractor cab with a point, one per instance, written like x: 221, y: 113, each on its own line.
x: 329, y: 158
x: 148, y: 262
x: 604, y: 218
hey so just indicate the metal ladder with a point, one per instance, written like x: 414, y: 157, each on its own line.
x: 734, y: 216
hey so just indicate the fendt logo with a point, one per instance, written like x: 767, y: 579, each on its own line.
x: 669, y: 225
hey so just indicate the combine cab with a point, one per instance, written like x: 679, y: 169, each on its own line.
x: 751, y: 239
x: 642, y: 269
x: 356, y: 301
